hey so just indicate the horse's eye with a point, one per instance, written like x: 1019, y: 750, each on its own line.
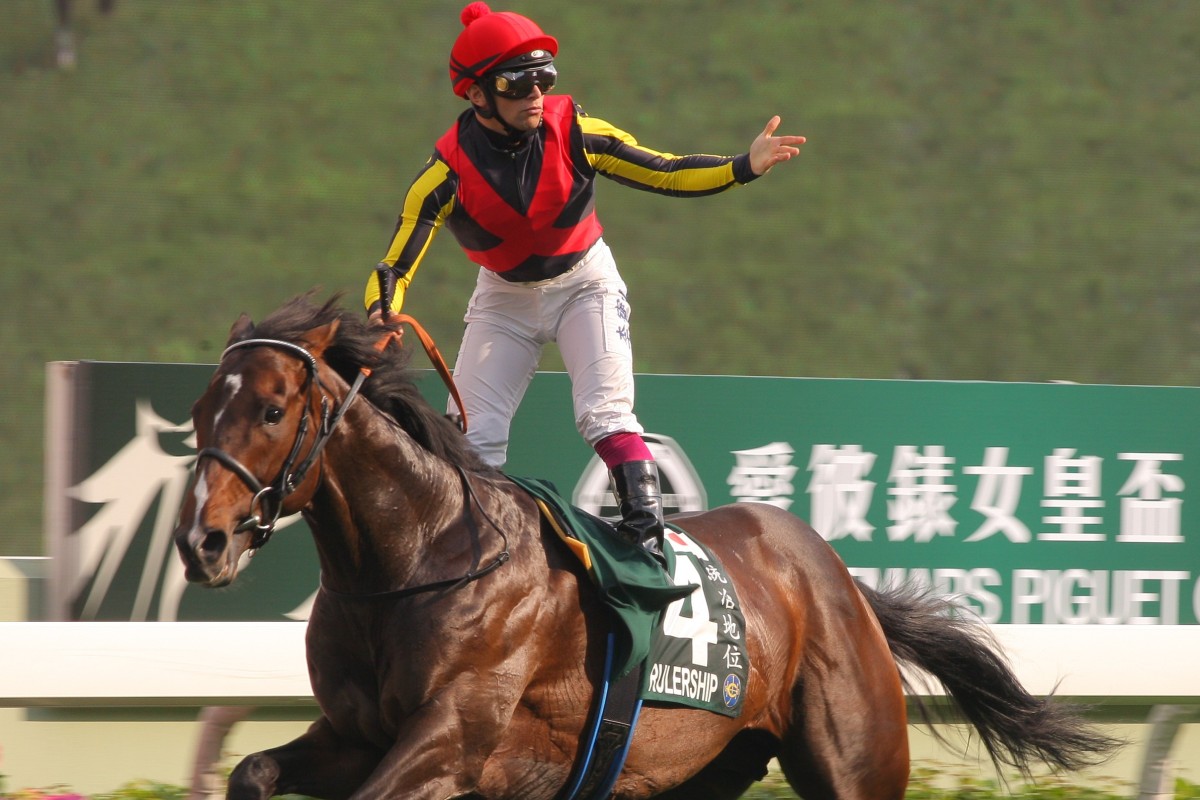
x: 273, y: 415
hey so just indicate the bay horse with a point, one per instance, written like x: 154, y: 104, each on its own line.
x: 454, y: 645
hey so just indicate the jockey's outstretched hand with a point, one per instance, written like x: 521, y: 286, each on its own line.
x: 768, y: 150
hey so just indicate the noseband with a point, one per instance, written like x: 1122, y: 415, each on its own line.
x: 267, y: 503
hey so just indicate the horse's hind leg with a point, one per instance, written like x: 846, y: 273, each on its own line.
x: 849, y: 734
x: 318, y: 764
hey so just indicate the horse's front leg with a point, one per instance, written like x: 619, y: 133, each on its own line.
x: 318, y: 763
x: 441, y: 749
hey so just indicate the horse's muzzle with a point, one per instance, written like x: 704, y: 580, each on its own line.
x: 208, y: 556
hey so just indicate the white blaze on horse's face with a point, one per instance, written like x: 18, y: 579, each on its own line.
x: 208, y: 548
x: 233, y: 384
x: 200, y: 495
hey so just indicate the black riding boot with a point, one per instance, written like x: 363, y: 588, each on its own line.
x: 640, y: 501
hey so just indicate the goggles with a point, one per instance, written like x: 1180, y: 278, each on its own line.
x: 518, y: 84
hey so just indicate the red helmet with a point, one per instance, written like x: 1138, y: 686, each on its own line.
x: 488, y: 40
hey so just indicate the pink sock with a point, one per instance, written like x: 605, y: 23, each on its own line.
x: 621, y: 448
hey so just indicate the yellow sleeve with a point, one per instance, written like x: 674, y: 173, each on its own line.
x: 617, y: 155
x: 429, y: 201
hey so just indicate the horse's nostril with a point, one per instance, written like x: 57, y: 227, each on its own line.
x: 212, y: 546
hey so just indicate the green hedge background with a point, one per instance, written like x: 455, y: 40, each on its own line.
x: 999, y: 191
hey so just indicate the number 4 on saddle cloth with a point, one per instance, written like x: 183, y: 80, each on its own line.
x: 679, y: 639
x: 698, y: 654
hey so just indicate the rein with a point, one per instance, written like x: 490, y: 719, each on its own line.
x: 435, y: 357
x: 450, y: 584
x: 387, y: 291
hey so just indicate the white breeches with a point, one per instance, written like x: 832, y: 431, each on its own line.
x: 586, y: 312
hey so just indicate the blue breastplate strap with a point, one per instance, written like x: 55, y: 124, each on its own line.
x: 609, y: 734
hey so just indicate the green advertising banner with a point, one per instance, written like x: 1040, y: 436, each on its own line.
x: 1037, y: 503
x: 1034, y: 503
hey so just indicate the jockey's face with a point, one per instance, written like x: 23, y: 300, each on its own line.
x: 524, y: 114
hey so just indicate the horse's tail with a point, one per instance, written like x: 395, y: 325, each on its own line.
x: 1017, y: 728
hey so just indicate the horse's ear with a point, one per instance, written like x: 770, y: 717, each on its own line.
x: 318, y: 339
x: 241, y: 329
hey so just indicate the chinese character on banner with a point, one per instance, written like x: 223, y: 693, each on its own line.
x: 763, y: 475
x: 920, y: 497
x: 840, y: 492
x: 997, y: 496
x: 1147, y: 516
x: 1073, y: 487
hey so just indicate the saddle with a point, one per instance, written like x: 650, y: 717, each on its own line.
x: 631, y: 583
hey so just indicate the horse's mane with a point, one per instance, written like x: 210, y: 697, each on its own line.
x: 391, y: 386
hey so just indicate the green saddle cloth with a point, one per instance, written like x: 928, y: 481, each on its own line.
x: 631, y: 582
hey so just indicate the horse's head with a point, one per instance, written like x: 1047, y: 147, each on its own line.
x: 259, y: 427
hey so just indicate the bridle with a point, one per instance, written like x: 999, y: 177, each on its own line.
x: 290, y: 477
x: 267, y: 504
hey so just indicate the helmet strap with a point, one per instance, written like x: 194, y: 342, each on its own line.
x: 491, y: 111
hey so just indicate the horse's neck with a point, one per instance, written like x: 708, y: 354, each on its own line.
x: 383, y: 503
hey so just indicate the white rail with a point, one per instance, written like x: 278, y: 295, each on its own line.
x: 80, y: 664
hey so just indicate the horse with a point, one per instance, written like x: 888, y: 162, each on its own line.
x: 454, y: 644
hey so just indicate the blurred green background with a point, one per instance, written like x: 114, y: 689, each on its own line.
x: 991, y: 191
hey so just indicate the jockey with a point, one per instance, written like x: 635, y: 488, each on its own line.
x: 513, y: 180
